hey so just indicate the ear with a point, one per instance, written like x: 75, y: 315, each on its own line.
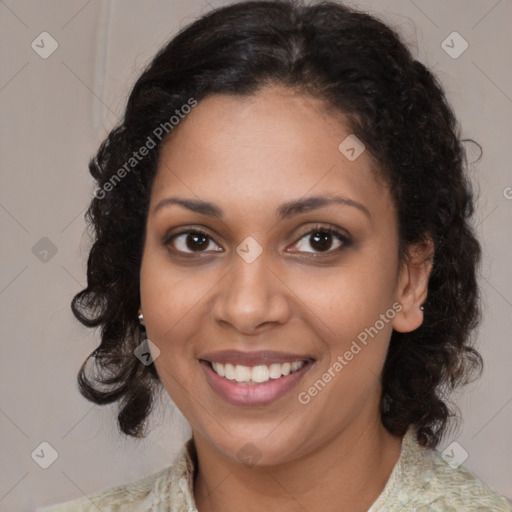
x: 412, y: 286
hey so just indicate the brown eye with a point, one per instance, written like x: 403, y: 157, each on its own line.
x: 191, y: 241
x: 322, y: 239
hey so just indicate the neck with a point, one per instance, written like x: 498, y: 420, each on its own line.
x: 346, y: 473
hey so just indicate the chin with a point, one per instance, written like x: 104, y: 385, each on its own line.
x: 259, y: 445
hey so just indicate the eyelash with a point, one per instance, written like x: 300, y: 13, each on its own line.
x: 343, y: 238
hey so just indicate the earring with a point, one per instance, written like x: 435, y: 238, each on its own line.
x: 141, y: 317
x: 422, y: 307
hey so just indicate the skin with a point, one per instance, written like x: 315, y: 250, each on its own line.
x: 248, y: 156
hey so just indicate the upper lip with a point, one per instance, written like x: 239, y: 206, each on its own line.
x: 252, y: 358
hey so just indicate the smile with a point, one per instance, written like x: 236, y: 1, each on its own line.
x: 255, y: 374
x: 264, y: 378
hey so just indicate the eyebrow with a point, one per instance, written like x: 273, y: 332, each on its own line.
x: 285, y: 211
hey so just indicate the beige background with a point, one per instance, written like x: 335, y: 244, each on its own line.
x: 55, y: 112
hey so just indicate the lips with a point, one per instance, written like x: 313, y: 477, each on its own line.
x: 253, y: 378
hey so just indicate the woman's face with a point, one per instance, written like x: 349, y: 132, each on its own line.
x: 265, y: 285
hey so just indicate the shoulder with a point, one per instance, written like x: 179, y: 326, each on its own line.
x: 456, y: 487
x: 432, y: 482
x: 171, y: 485
x: 143, y: 494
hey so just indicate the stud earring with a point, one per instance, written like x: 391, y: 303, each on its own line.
x: 422, y: 308
x: 141, y: 317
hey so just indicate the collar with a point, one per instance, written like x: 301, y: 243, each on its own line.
x: 183, y: 472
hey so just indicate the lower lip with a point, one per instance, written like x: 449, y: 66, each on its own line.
x: 252, y: 394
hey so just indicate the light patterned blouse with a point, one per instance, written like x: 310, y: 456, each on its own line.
x: 421, y: 481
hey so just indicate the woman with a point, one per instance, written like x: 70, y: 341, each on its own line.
x: 283, y: 242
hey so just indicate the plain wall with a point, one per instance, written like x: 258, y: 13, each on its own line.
x: 56, y: 111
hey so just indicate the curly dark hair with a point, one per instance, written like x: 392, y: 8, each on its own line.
x: 392, y: 102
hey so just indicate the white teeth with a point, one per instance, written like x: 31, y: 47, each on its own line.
x: 229, y: 371
x: 219, y: 368
x: 242, y: 373
x: 296, y: 366
x: 287, y: 368
x: 258, y: 374
x: 274, y: 371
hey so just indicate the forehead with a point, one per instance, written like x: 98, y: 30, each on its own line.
x: 265, y: 148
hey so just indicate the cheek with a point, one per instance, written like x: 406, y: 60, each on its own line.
x: 170, y: 303
x: 170, y: 296
x: 347, y: 299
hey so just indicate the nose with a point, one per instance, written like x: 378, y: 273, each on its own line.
x: 252, y: 298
